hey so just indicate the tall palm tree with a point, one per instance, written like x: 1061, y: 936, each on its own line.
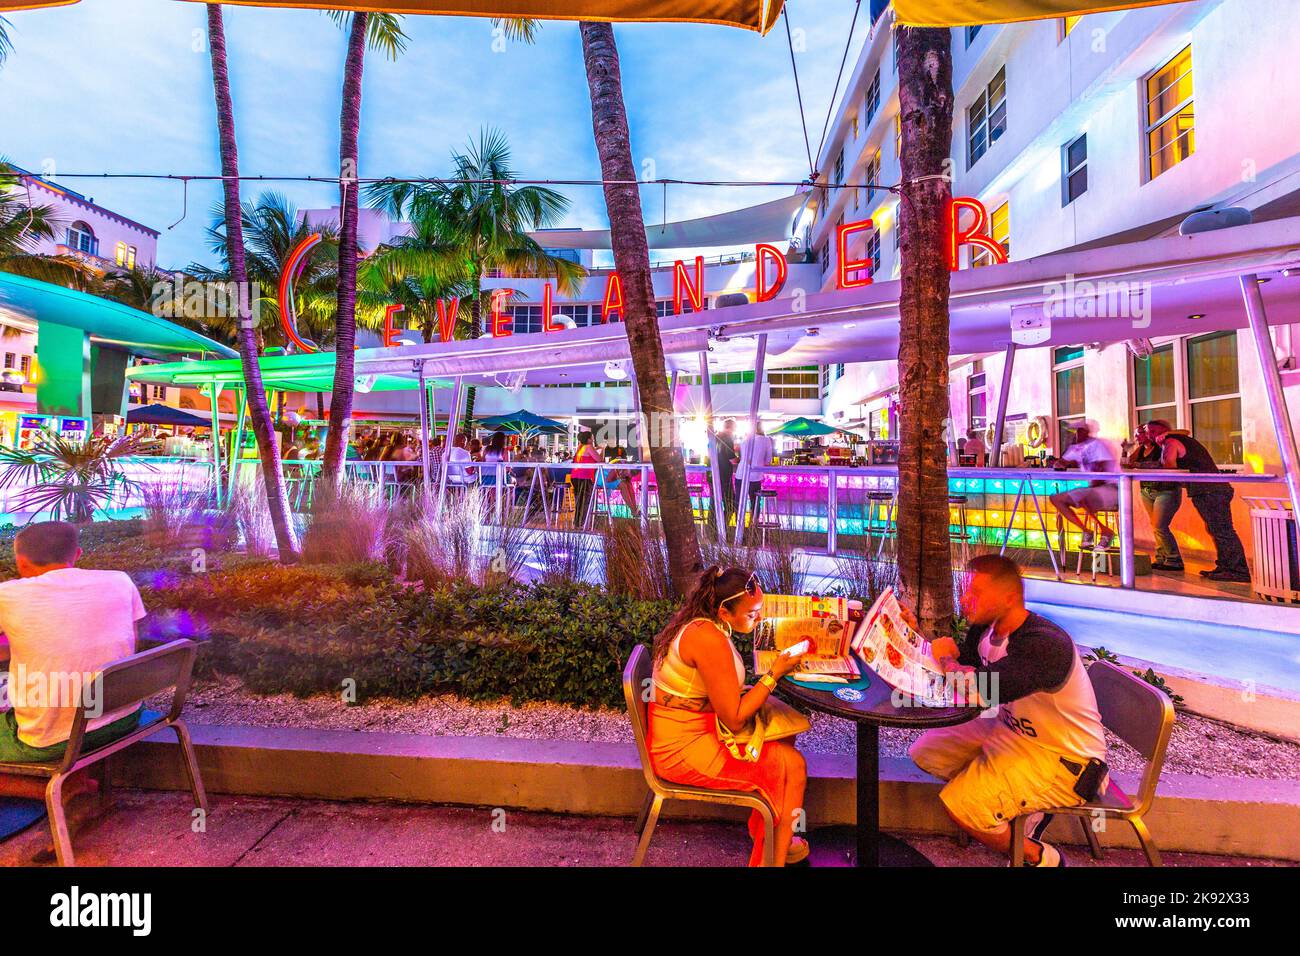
x: 6, y: 45
x: 255, y: 393
x: 382, y: 31
x: 481, y: 212
x: 924, y: 547
x: 632, y: 260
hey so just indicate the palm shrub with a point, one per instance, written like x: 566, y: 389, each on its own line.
x: 636, y: 560
x: 349, y: 525
x: 66, y: 478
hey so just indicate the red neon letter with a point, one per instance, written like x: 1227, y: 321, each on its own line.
x: 842, y: 280
x: 447, y: 319
x: 390, y: 333
x: 613, y: 298
x: 762, y: 292
x: 547, y: 324
x: 975, y: 235
x: 293, y: 267
x: 694, y: 292
x: 502, y: 324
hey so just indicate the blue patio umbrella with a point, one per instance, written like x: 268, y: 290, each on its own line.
x: 807, y: 428
x: 522, y: 422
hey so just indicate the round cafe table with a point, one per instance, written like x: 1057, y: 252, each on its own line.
x: 864, y: 844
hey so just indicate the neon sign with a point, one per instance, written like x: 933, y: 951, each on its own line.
x: 685, y: 288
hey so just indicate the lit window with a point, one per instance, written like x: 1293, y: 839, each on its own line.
x: 10, y: 359
x: 1000, y: 232
x: 873, y: 98
x: 25, y: 365
x: 1075, y: 179
x: 119, y: 253
x: 987, y: 118
x: 130, y: 257
x: 795, y: 383
x: 1070, y: 404
x: 1170, y: 119
x: 872, y: 174
x: 898, y: 137
x: 1155, y: 394
x: 1194, y: 383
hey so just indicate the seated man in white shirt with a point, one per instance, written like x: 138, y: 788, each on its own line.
x: 64, y: 625
x: 457, y: 473
x: 1088, y: 454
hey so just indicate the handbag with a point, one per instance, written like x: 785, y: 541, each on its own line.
x: 775, y: 720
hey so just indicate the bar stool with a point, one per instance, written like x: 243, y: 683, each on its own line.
x: 765, y: 515
x: 874, y: 500
x: 1100, y: 557
x: 963, y: 532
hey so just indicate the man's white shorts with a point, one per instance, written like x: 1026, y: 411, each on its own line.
x: 994, y: 774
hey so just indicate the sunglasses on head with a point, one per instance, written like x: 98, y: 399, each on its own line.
x: 751, y: 588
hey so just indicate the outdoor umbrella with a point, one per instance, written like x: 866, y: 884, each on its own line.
x: 164, y: 415
x: 522, y: 422
x: 958, y: 13
x: 807, y: 428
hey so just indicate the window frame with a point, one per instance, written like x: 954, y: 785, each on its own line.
x: 985, y: 103
x: 1068, y: 171
x: 1183, y: 404
x: 1148, y: 127
x: 1058, y: 419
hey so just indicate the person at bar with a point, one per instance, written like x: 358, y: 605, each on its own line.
x: 974, y: 448
x: 1088, y: 453
x: 583, y: 479
x: 64, y: 624
x: 726, y: 465
x: 1160, y: 499
x: 755, y: 452
x: 1043, y: 747
x: 698, y: 683
x: 1212, y: 500
x: 458, y: 473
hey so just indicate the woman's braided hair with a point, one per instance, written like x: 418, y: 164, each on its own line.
x: 714, y: 584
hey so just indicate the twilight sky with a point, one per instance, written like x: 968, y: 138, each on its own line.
x: 126, y: 86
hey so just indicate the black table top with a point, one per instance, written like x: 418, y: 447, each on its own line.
x: 876, y: 707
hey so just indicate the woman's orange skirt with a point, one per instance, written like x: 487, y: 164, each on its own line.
x: 684, y: 748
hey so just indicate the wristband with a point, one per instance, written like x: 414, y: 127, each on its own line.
x: 768, y: 681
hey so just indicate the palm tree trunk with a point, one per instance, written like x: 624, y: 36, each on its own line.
x: 924, y: 546
x: 632, y: 260
x: 345, y: 316
x: 276, y: 499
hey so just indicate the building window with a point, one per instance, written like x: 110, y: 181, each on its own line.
x: 1074, y: 180
x: 873, y: 98
x: 1214, y: 395
x: 81, y: 238
x: 898, y: 34
x: 1000, y: 231
x: 872, y: 174
x: 1170, y: 119
x: 664, y: 307
x: 853, y: 124
x: 825, y: 256
x: 873, y: 253
x: 972, y: 32
x: 986, y: 119
x: 878, y: 424
x: 1070, y: 405
x: 799, y: 383
x: 977, y: 406
x: 130, y: 257
x: 1194, y: 383
x: 10, y: 359
x: 25, y: 365
x: 1068, y: 24
x: 160, y: 393
x: 119, y: 253
x: 839, y: 167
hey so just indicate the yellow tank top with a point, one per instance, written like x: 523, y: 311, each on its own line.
x: 674, y: 676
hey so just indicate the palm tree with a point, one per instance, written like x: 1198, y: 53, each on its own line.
x: 23, y: 225
x: 417, y: 272
x: 926, y: 102
x: 6, y: 45
x: 272, y: 230
x: 632, y: 260
x: 488, y: 219
x: 255, y: 394
x: 383, y: 31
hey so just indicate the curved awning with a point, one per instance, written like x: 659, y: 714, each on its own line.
x: 961, y: 13
x: 767, y: 222
x: 111, y: 323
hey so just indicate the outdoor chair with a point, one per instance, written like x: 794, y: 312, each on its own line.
x: 125, y: 683
x: 636, y: 689
x: 1143, y: 717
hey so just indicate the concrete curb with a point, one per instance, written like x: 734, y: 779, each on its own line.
x: 1239, y: 817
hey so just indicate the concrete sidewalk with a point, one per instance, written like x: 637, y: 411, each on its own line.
x: 146, y: 828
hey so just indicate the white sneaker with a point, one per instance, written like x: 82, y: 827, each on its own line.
x: 1048, y: 855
